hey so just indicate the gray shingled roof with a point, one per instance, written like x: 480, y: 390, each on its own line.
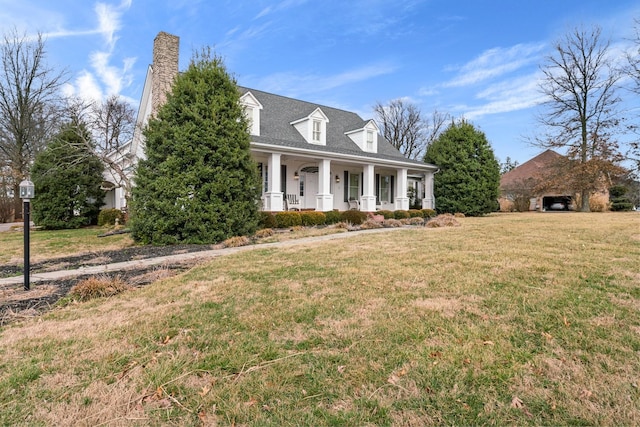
x: 276, y: 128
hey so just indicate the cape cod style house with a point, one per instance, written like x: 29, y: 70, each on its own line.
x: 310, y: 156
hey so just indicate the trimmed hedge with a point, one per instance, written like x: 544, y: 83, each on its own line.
x: 386, y: 214
x: 415, y: 213
x: 428, y: 213
x: 109, y: 216
x: 332, y: 217
x: 288, y: 219
x: 400, y: 214
x: 310, y: 218
x: 268, y: 220
x: 354, y: 217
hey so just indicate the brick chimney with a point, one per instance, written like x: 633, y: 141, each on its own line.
x: 164, y: 68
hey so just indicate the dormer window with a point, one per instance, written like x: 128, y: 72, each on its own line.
x: 370, y: 139
x: 252, y: 109
x: 317, y: 131
x: 313, y: 128
x: 366, y: 137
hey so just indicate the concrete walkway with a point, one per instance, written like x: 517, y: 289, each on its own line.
x: 7, y: 226
x: 192, y: 256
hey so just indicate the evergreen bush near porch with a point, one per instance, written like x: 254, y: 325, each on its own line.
x: 199, y: 183
x: 332, y: 217
x: 469, y: 175
x: 67, y: 179
x: 313, y: 218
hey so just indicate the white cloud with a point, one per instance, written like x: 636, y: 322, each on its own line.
x: 104, y: 79
x: 84, y: 86
x: 495, y: 63
x: 507, y: 96
x: 294, y: 84
x: 283, y: 5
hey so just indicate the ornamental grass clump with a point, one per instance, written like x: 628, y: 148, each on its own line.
x: 392, y: 223
x: 264, y: 232
x: 236, y: 241
x: 370, y: 224
x: 444, y: 220
x: 98, y: 287
x: 414, y: 221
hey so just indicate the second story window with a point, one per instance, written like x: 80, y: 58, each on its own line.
x: 316, y: 131
x: 369, y: 139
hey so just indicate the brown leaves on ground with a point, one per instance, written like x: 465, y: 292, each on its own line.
x: 517, y: 403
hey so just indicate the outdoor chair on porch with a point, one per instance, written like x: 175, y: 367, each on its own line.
x: 292, y: 202
x: 354, y: 204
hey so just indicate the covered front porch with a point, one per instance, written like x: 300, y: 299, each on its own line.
x: 294, y: 182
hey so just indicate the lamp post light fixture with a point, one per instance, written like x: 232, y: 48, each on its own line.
x: 27, y: 192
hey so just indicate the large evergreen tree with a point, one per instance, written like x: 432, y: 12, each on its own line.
x: 198, y: 183
x: 469, y: 176
x: 67, y: 178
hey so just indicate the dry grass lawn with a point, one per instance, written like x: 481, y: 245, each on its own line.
x: 511, y: 319
x: 47, y: 244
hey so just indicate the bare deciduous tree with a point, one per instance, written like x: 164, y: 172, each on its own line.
x: 633, y: 59
x: 29, y: 96
x: 581, y: 112
x: 406, y: 129
x: 110, y: 126
x: 633, y: 71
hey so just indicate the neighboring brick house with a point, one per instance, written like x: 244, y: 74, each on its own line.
x: 523, y: 188
x: 310, y: 156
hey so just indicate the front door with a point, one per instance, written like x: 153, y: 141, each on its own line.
x: 310, y: 190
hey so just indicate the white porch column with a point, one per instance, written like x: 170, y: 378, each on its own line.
x: 324, y: 198
x: 428, y: 202
x: 402, y: 201
x: 273, y: 197
x: 368, y: 198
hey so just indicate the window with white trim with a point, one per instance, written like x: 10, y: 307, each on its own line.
x: 370, y: 139
x: 317, y: 131
x: 354, y: 186
x: 385, y: 186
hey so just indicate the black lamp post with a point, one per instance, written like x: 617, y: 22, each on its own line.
x: 27, y: 193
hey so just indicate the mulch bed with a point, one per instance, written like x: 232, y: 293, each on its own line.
x: 16, y: 303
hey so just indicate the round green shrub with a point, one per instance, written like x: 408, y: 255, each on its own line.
x: 428, y: 213
x: 332, y: 217
x: 310, y: 218
x: 288, y: 219
x: 415, y: 213
x: 386, y: 214
x: 109, y: 216
x: 400, y: 214
x: 354, y: 217
x: 268, y: 220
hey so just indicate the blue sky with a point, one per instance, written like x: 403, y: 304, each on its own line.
x: 471, y: 58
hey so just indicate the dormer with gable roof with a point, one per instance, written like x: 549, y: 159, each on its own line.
x: 313, y: 128
x: 252, y: 109
x: 366, y: 137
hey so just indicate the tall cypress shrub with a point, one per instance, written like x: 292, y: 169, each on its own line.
x: 67, y: 177
x: 469, y: 177
x: 198, y: 183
